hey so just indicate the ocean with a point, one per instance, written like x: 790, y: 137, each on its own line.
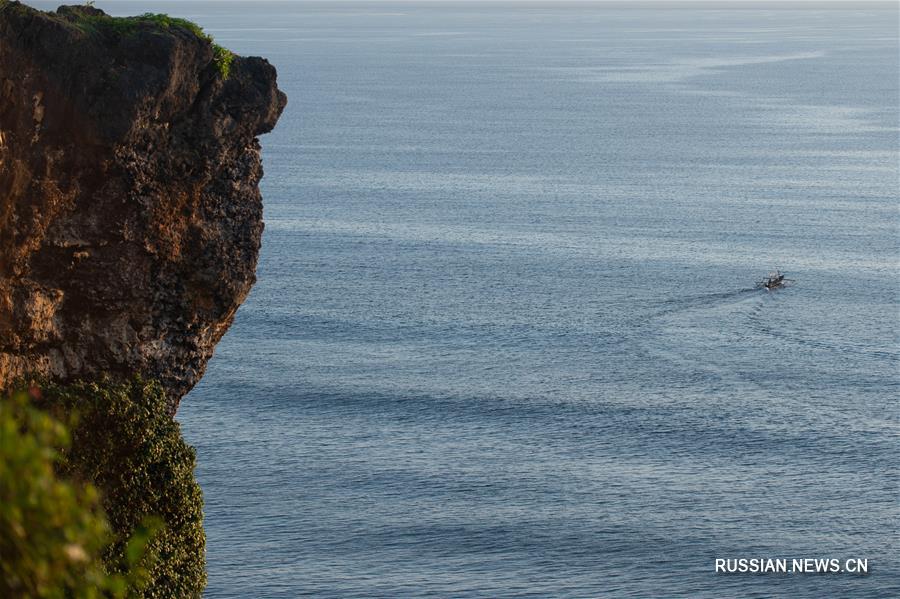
x: 505, y: 340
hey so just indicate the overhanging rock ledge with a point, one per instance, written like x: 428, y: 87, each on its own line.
x: 130, y: 214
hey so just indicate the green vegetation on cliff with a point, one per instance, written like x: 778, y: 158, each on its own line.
x: 127, y: 457
x: 94, y: 21
x: 53, y: 530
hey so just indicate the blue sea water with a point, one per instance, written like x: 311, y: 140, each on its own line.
x: 505, y: 341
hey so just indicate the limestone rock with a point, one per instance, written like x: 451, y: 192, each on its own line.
x: 130, y: 214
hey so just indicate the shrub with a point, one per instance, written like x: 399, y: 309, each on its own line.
x: 126, y: 443
x: 52, y: 531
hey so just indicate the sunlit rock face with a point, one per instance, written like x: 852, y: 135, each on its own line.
x: 130, y: 214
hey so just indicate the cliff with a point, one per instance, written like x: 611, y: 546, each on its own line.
x: 130, y: 214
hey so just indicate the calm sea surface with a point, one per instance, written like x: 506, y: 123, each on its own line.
x: 505, y: 340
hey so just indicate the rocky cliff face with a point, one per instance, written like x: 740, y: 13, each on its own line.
x: 130, y: 216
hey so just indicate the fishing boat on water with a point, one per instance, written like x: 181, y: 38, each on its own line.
x: 775, y: 280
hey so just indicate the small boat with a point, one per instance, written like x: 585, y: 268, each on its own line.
x: 775, y: 280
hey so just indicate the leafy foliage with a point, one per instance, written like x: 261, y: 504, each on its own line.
x: 125, y: 442
x: 53, y: 531
x: 222, y: 58
x: 124, y: 458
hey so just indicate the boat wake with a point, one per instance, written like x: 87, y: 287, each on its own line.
x: 707, y: 300
x: 761, y: 325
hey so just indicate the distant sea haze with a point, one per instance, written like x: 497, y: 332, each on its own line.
x: 505, y: 340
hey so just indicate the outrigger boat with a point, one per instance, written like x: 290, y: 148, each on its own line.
x: 775, y: 280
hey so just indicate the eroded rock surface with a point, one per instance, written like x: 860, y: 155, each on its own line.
x: 130, y: 217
